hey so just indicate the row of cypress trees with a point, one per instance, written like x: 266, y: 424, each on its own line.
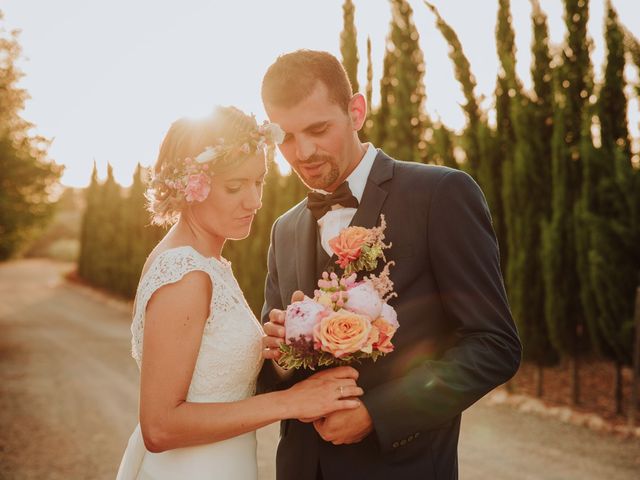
x: 557, y: 169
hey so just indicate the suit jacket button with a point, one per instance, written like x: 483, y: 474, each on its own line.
x: 403, y: 442
x: 416, y: 435
x: 395, y: 445
x: 410, y: 439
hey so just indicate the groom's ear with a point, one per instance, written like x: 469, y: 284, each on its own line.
x: 358, y: 111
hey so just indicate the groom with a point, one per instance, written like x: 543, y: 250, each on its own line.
x: 456, y: 340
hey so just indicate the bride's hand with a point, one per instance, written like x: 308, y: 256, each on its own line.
x: 323, y: 393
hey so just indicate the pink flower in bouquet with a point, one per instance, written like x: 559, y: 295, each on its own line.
x: 348, y: 244
x: 342, y: 333
x: 364, y: 299
x: 386, y: 324
x: 301, y: 318
x: 197, y: 188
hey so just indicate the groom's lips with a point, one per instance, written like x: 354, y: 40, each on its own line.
x: 312, y: 169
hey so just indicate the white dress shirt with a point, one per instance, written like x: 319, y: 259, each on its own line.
x: 339, y: 217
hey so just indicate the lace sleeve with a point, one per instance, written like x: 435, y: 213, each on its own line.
x: 169, y: 267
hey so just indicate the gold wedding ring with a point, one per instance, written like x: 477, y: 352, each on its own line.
x: 341, y: 392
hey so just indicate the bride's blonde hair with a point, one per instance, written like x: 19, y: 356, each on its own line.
x: 186, y: 139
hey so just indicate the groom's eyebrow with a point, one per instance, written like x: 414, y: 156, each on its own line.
x: 315, y: 125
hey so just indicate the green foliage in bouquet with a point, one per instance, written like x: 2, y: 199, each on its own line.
x: 300, y: 354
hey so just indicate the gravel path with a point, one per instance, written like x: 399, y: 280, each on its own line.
x: 68, y: 398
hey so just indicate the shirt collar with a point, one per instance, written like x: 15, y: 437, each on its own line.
x: 358, y: 178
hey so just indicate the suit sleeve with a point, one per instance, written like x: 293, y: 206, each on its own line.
x: 268, y: 379
x: 463, y: 253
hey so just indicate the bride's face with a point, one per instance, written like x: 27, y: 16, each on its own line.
x: 233, y: 201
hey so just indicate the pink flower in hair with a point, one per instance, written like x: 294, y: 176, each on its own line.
x: 197, y: 189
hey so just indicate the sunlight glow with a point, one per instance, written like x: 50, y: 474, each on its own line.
x: 108, y: 78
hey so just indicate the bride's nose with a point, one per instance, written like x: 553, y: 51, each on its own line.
x: 253, y: 199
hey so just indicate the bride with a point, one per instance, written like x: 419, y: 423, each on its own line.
x: 202, y: 345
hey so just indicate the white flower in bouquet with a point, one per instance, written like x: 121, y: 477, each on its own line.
x: 301, y: 318
x: 364, y: 300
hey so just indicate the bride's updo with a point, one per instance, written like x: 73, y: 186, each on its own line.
x: 194, y: 150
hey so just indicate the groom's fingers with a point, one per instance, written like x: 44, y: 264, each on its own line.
x: 277, y: 316
x: 297, y: 296
x: 274, y: 330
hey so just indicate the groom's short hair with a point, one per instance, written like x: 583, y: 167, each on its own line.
x: 293, y: 76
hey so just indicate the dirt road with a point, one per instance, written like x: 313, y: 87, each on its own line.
x: 68, y: 398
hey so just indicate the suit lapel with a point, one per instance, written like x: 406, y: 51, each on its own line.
x: 305, y: 251
x: 373, y: 197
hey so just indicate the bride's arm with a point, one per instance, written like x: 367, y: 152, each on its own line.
x: 174, y: 322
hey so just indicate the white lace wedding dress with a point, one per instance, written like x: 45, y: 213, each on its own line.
x: 226, y: 370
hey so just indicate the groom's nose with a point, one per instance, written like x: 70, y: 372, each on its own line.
x: 305, y: 148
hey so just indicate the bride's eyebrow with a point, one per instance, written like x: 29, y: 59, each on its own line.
x: 244, y: 179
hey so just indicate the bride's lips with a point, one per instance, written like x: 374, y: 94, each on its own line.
x: 246, y: 219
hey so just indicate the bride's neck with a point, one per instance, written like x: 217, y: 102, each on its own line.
x: 189, y: 232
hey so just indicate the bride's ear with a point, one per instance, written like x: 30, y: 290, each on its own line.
x: 358, y: 111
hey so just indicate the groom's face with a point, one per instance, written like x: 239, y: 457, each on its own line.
x: 320, y: 139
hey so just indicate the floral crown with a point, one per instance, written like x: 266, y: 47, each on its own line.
x: 189, y: 179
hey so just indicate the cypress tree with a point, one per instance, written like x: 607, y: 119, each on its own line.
x: 442, y: 146
x: 613, y: 261
x: 565, y: 315
x: 495, y: 175
x: 89, y: 230
x: 349, y: 44
x: 366, y: 133
x: 527, y: 179
x: 465, y: 77
x: 402, y: 89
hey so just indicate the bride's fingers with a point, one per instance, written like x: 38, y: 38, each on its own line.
x: 338, y: 372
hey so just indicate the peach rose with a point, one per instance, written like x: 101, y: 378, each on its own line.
x: 342, y: 333
x: 386, y: 332
x: 373, y: 339
x: 348, y: 245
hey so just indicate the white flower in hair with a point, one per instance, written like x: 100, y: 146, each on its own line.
x: 208, y: 154
x: 274, y: 132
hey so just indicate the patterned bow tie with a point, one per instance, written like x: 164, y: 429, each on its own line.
x: 319, y: 204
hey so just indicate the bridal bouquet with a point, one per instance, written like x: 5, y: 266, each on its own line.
x: 348, y: 319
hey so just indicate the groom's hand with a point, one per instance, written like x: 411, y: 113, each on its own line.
x: 274, y: 330
x: 345, y: 426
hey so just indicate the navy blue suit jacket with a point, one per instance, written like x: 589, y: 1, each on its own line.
x: 456, y: 341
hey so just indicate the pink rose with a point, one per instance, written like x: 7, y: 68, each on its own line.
x: 301, y: 318
x: 197, y: 189
x: 364, y: 299
x: 342, y: 333
x: 348, y: 245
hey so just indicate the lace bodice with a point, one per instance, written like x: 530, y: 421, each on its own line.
x: 230, y: 351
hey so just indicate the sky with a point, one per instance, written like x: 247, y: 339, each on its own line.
x: 107, y: 78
